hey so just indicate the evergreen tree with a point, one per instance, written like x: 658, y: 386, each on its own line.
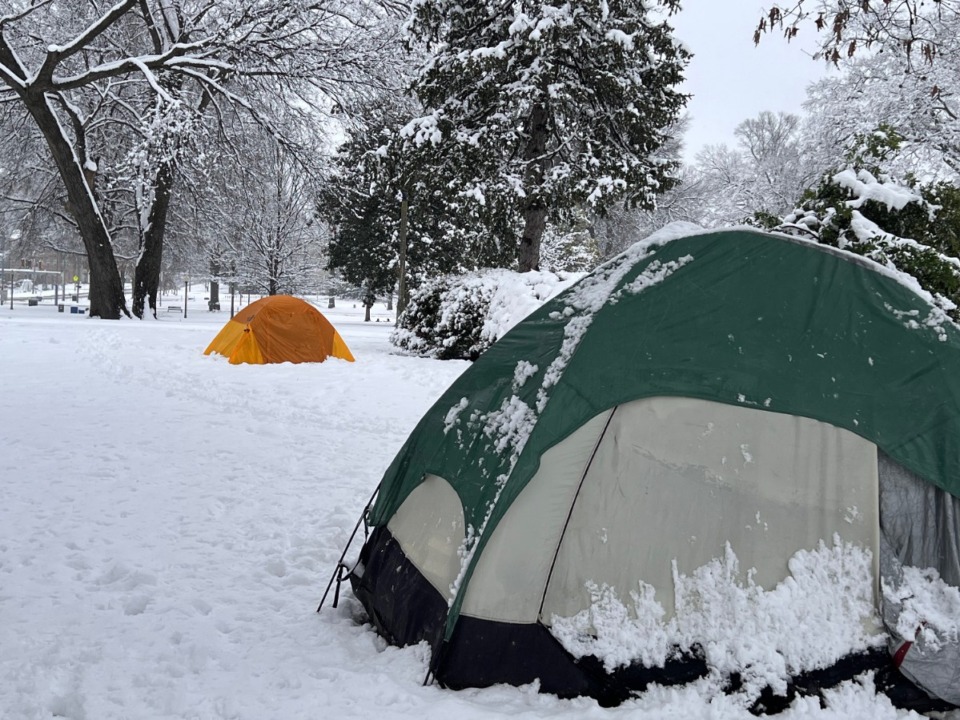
x: 547, y: 105
x: 393, y: 223
x: 361, y: 247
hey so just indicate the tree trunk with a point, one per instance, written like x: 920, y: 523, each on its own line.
x: 534, y: 208
x: 402, y: 291
x: 366, y: 310
x: 534, y: 223
x: 273, y: 284
x: 106, y: 291
x: 146, y: 281
x: 216, y: 269
x: 146, y: 278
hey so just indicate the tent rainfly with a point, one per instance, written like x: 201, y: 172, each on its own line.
x: 276, y: 329
x: 730, y: 453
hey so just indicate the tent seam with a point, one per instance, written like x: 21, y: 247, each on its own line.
x: 573, y: 504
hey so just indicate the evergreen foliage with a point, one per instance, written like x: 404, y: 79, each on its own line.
x: 360, y: 250
x: 364, y: 201
x: 460, y: 316
x: 546, y: 105
x: 445, y: 321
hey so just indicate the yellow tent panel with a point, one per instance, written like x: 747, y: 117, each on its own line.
x: 276, y: 329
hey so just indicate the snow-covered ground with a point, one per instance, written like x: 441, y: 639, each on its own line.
x: 168, y: 523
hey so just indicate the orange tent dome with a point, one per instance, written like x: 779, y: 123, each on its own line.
x: 277, y: 329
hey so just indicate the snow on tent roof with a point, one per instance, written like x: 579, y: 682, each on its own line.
x: 739, y: 317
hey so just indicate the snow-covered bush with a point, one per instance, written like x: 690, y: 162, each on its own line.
x: 458, y: 317
x: 439, y: 322
x: 904, y: 226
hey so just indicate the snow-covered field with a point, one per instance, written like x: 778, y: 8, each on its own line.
x: 168, y: 523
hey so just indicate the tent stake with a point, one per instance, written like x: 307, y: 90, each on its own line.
x: 337, y: 575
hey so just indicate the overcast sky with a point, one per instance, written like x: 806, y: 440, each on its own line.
x: 729, y: 77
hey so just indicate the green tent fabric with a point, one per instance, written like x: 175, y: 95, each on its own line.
x: 702, y: 400
x: 875, y: 359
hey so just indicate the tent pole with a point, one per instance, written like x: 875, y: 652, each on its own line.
x: 336, y: 571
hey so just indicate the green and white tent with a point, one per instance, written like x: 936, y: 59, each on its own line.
x: 714, y: 435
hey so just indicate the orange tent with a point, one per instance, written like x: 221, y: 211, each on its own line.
x: 277, y: 329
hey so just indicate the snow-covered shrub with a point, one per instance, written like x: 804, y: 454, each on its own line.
x: 443, y: 321
x: 460, y: 316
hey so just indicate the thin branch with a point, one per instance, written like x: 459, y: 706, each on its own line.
x: 58, y: 53
x: 4, y: 19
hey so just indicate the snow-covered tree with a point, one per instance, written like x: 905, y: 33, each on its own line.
x: 548, y: 105
x: 27, y: 185
x: 900, y: 67
x: 571, y: 247
x: 367, y: 217
x: 276, y: 225
x: 395, y: 223
x: 257, y: 226
x: 62, y: 63
x: 773, y: 145
x: 621, y: 226
x: 765, y: 173
x: 460, y: 316
x: 868, y: 96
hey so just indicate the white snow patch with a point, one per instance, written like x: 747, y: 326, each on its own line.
x: 655, y: 273
x: 623, y: 39
x: 866, y: 187
x: 821, y: 612
x: 523, y: 372
x: 516, y: 295
x: 930, y: 607
x: 510, y: 426
x: 453, y: 415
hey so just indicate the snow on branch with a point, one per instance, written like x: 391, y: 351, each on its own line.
x: 14, y: 17
x: 176, y: 57
x: 57, y: 53
x: 152, y: 79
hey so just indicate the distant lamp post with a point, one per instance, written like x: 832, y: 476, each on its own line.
x: 13, y: 239
x: 186, y: 296
x: 3, y: 264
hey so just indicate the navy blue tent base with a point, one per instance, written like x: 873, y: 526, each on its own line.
x: 406, y: 609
